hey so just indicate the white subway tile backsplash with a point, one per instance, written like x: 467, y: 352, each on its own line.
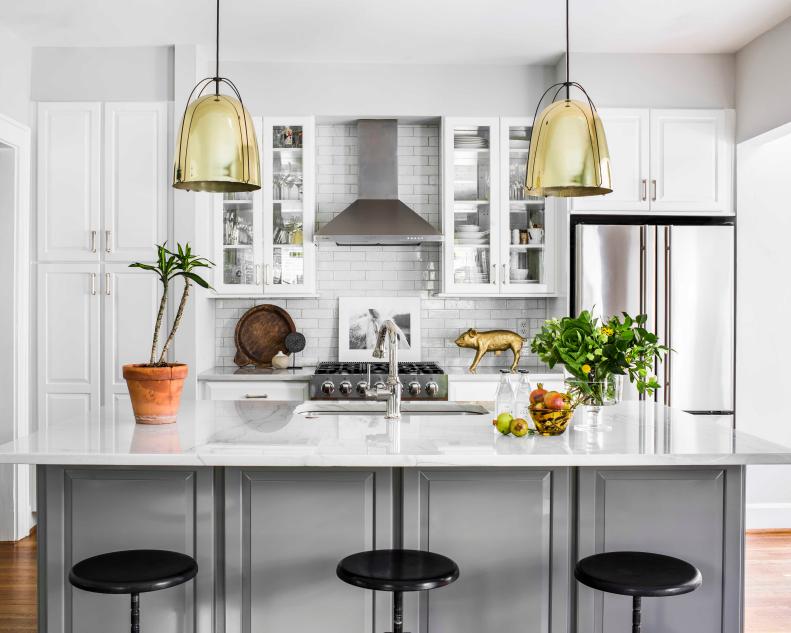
x: 373, y: 270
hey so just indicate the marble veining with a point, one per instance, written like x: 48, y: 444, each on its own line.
x: 247, y: 433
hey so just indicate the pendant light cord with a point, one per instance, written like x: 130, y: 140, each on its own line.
x: 217, y: 53
x: 568, y: 52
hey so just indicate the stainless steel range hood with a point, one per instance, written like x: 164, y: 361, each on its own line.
x: 378, y: 217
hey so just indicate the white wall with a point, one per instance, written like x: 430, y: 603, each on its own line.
x: 762, y: 309
x: 763, y: 82
x: 102, y: 74
x: 14, y: 77
x: 380, y: 89
x: 655, y: 81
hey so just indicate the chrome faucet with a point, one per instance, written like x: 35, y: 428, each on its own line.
x: 392, y: 390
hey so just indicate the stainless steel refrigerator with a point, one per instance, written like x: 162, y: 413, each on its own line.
x: 681, y: 273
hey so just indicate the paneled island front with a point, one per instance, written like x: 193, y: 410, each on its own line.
x: 269, y: 496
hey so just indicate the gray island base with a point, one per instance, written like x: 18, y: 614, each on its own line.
x: 268, y: 501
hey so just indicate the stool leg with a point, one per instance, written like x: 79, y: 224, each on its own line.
x: 636, y: 604
x: 398, y: 612
x: 135, y: 613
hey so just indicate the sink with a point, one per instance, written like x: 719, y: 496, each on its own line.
x: 372, y: 407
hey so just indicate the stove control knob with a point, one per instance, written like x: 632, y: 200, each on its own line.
x: 432, y: 388
x: 327, y: 388
x: 362, y: 387
x: 345, y: 387
x: 414, y: 388
x: 380, y: 385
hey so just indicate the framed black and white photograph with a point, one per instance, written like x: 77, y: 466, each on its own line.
x: 359, y: 321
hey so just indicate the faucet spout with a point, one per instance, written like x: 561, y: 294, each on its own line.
x: 392, y: 391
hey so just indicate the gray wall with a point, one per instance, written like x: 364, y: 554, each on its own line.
x: 14, y: 77
x: 655, y: 81
x: 103, y: 74
x: 763, y: 83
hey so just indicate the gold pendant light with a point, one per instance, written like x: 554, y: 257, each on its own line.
x: 217, y: 148
x: 568, y: 149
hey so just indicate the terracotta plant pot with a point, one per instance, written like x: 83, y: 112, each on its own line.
x: 155, y: 391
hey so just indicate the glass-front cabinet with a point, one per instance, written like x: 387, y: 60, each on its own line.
x: 498, y: 240
x: 267, y: 236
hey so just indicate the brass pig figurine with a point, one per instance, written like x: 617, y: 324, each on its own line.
x: 496, y: 341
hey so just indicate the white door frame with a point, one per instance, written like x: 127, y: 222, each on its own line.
x: 17, y: 524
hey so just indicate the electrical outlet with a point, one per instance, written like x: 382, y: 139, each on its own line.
x: 523, y: 328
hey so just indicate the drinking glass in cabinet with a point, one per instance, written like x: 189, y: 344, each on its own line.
x: 471, y: 264
x: 237, y: 226
x: 238, y: 266
x: 287, y: 178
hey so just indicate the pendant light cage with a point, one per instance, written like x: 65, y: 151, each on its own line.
x: 217, y: 148
x: 568, y: 154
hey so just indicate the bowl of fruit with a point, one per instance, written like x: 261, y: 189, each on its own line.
x: 551, y: 411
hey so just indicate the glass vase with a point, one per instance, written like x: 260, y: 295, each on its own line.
x: 593, y: 395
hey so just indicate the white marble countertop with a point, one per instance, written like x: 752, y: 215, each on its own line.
x: 245, y: 433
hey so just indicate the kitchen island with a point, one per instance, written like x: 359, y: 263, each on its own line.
x: 268, y: 496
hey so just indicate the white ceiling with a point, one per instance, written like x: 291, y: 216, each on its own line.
x: 397, y: 31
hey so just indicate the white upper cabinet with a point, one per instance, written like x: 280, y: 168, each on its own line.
x: 136, y: 180
x: 627, y: 139
x: 667, y: 161
x: 691, y: 160
x: 102, y: 200
x: 69, y: 172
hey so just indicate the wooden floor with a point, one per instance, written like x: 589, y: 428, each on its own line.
x: 768, y: 577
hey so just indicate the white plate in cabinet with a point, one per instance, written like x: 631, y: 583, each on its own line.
x: 265, y: 390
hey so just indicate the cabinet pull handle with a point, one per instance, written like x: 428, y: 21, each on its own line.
x: 644, y: 194
x: 107, y: 241
x: 494, y: 276
x: 268, y: 274
x: 256, y: 396
x: 258, y: 274
x: 107, y: 288
x: 93, y: 241
x: 653, y: 190
x: 93, y: 283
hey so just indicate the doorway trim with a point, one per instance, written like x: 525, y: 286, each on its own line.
x: 17, y: 525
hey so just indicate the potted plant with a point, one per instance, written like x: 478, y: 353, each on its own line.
x: 597, y: 355
x: 155, y: 387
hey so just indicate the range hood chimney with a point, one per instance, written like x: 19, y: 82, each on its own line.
x: 378, y: 217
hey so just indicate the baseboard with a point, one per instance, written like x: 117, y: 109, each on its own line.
x: 768, y: 516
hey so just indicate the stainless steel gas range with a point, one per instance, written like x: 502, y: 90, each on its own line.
x: 348, y: 381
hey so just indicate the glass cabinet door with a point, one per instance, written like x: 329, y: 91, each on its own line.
x: 471, y: 203
x: 238, y: 269
x: 289, y: 213
x: 526, y: 234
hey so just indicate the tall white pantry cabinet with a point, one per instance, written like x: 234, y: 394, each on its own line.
x: 102, y: 199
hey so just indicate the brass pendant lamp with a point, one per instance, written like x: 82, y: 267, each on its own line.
x: 217, y: 148
x: 568, y: 149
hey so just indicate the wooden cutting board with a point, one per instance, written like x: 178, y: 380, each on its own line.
x: 260, y: 334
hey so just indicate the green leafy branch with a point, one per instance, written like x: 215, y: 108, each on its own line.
x: 168, y: 267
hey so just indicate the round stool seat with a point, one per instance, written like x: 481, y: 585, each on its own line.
x: 638, y: 574
x: 133, y: 571
x: 398, y: 570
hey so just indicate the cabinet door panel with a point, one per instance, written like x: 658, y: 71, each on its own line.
x: 131, y: 301
x: 694, y: 514
x: 627, y: 132
x: 509, y: 533
x: 69, y: 149
x: 161, y: 509
x: 136, y: 172
x: 286, y: 531
x: 691, y: 160
x: 68, y: 338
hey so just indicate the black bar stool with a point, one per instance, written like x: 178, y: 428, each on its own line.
x: 134, y: 572
x: 638, y: 574
x: 398, y: 570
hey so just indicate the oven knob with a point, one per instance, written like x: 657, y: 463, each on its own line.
x: 414, y: 388
x: 362, y: 387
x: 380, y: 385
x: 345, y: 387
x: 432, y: 388
x: 327, y: 388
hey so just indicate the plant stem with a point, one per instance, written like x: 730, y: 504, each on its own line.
x: 179, y: 314
x: 158, y: 326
